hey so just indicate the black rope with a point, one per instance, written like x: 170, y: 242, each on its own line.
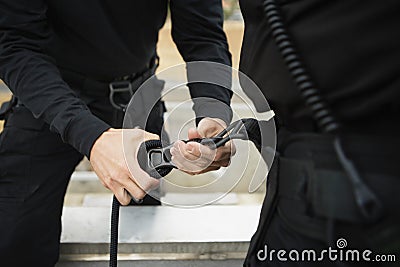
x: 114, y: 232
x: 145, y: 146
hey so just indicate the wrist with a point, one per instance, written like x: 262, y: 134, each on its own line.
x: 83, y: 131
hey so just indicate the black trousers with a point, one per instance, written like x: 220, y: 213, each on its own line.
x: 35, y: 168
x: 310, y: 203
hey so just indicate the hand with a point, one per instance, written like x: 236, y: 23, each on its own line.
x: 194, y: 158
x: 116, y: 173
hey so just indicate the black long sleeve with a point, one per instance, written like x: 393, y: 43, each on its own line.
x: 102, y: 41
x: 32, y: 76
x: 197, y: 30
x: 351, y: 50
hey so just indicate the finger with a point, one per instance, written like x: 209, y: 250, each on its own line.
x: 135, y: 188
x: 209, y: 127
x: 232, y: 147
x: 221, y: 163
x: 208, y: 169
x: 146, y: 183
x: 184, y: 165
x: 151, y: 136
x: 197, y: 154
x: 193, y: 133
x: 192, y: 163
x: 222, y: 158
x: 185, y: 150
x: 177, y: 155
x: 200, y: 151
x: 225, y: 152
x: 120, y: 193
x: 193, y: 151
x: 222, y: 153
x: 189, y: 166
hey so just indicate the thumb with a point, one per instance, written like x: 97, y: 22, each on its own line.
x: 150, y: 136
x: 193, y: 133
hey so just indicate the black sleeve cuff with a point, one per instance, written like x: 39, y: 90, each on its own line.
x: 212, y: 108
x: 210, y: 88
x: 84, y: 130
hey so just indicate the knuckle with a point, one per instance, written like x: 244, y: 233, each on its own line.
x: 144, y: 186
x: 125, y: 202
x: 108, y: 181
x: 113, y: 176
x: 119, y: 174
x: 155, y: 182
x: 119, y: 177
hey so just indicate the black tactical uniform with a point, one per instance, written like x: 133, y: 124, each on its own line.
x: 59, y: 58
x: 351, y: 49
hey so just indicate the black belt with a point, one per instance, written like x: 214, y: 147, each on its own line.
x: 95, y: 87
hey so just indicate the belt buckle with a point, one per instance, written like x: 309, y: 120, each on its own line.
x: 118, y: 87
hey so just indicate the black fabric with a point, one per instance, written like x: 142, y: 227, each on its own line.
x: 100, y: 88
x: 351, y: 49
x: 34, y: 173
x: 102, y: 41
x: 35, y: 167
x: 292, y: 218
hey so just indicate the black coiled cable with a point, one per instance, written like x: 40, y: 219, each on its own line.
x: 320, y: 111
x: 368, y: 203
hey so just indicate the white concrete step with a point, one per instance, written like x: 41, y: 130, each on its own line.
x: 159, y: 236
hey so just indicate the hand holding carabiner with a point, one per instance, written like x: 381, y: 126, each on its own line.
x: 205, y: 151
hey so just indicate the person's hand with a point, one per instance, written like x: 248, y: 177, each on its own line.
x: 116, y: 173
x: 194, y: 158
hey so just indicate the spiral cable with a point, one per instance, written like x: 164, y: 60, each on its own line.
x: 320, y: 111
x: 369, y: 205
